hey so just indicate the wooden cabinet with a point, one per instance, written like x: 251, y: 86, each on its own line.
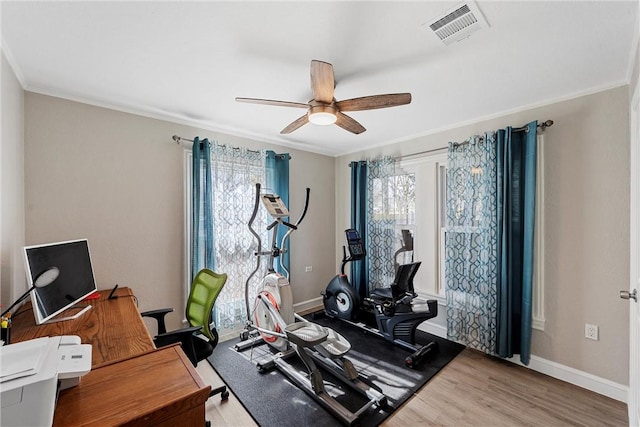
x: 157, y: 388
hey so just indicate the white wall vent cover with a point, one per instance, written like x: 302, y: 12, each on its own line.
x: 458, y: 23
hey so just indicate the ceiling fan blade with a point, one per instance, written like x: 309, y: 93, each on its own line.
x: 322, y: 81
x: 272, y: 102
x: 373, y: 102
x: 347, y: 123
x: 296, y: 124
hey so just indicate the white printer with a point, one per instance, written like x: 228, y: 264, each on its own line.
x: 31, y: 374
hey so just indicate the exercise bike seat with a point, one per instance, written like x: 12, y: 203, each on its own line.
x: 391, y: 295
x: 402, y: 286
x: 383, y: 293
x: 306, y: 334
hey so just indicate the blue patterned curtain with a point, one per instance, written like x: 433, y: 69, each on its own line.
x: 516, y: 153
x: 471, y: 263
x: 491, y: 186
x: 373, y: 214
x: 223, y: 197
x: 381, y: 226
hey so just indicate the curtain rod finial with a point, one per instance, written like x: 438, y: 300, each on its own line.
x: 546, y: 124
x: 176, y: 138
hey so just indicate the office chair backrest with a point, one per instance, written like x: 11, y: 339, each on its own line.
x: 205, y: 288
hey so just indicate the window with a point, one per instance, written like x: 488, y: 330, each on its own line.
x: 425, y: 204
x: 235, y: 173
x: 393, y: 200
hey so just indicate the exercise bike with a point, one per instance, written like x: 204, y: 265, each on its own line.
x: 288, y: 334
x: 397, y: 309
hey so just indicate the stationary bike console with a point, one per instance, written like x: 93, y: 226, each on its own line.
x: 355, y: 245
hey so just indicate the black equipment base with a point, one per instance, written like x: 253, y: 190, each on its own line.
x: 273, y: 401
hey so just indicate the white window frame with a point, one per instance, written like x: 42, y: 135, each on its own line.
x: 537, y: 298
x: 430, y: 278
x: 187, y: 223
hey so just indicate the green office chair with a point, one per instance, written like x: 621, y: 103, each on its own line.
x: 201, y: 337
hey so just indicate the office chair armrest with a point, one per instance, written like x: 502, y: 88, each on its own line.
x: 184, y: 336
x: 159, y: 315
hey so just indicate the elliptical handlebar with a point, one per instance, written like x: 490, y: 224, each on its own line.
x: 306, y: 207
x: 292, y: 228
x: 256, y: 205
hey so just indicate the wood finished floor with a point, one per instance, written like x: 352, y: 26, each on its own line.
x: 473, y: 390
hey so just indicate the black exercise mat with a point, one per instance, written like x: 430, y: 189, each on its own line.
x: 272, y: 400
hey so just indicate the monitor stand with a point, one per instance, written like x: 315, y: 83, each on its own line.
x: 82, y: 308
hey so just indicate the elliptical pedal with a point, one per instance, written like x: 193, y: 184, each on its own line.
x: 306, y: 334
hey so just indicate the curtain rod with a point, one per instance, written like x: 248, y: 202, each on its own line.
x: 542, y: 126
x: 179, y: 139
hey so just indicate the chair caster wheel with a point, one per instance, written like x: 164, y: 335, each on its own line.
x: 224, y: 395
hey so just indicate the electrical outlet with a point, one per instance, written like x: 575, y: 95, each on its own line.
x: 308, y: 269
x: 591, y: 331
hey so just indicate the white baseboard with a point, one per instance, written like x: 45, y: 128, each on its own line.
x: 556, y: 370
x: 582, y: 379
x: 433, y: 329
x: 311, y: 305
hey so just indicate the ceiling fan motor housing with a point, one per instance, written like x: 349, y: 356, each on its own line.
x: 322, y: 114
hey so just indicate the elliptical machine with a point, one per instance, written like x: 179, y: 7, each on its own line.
x: 397, y: 309
x: 278, y: 326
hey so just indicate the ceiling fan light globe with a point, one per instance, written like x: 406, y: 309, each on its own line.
x: 322, y: 118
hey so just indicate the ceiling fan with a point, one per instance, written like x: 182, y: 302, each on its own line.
x: 323, y: 109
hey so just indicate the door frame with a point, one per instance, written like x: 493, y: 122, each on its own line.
x: 634, y: 263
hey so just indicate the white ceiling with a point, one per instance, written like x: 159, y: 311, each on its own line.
x: 187, y: 61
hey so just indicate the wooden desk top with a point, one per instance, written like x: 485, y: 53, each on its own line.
x: 114, y: 328
x: 156, y: 388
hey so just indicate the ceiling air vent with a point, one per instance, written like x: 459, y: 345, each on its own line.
x: 457, y: 23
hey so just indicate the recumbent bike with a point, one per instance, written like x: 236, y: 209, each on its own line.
x: 397, y: 309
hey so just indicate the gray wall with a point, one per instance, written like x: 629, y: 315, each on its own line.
x: 117, y: 179
x: 12, y: 275
x: 587, y: 184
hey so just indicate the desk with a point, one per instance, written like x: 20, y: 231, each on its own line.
x: 130, y: 383
x: 113, y: 327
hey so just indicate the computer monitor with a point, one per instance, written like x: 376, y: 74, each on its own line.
x: 73, y: 283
